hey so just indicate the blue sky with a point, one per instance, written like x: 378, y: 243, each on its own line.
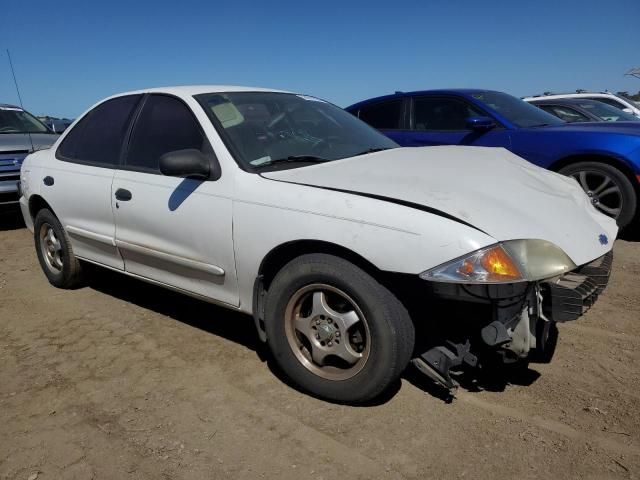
x: 68, y: 55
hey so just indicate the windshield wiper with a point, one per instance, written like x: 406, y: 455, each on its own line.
x: 295, y: 158
x: 372, y: 150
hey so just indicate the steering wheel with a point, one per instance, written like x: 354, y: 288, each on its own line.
x: 277, y: 118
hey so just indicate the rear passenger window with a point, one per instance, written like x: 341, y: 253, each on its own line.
x: 97, y: 138
x: 383, y: 115
x: 165, y: 124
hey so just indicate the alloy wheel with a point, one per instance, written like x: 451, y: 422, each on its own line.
x: 604, y: 192
x: 327, y: 331
x: 51, y: 248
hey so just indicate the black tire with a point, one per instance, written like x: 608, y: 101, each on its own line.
x: 390, y: 329
x: 629, y: 201
x: 547, y: 335
x: 69, y: 276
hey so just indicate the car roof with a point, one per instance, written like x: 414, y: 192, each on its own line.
x: 8, y: 105
x: 442, y: 91
x: 572, y: 95
x: 567, y: 101
x: 189, y: 90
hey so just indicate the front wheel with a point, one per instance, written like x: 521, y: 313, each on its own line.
x: 609, y: 189
x: 335, y: 331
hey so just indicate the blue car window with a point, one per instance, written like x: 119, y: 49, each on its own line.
x: 383, y: 115
x: 442, y: 113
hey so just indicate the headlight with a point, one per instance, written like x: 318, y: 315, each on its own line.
x: 506, y: 262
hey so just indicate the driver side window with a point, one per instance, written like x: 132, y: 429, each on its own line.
x: 165, y: 124
x: 442, y: 114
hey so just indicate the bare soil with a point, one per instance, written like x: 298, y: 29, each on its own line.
x: 123, y: 380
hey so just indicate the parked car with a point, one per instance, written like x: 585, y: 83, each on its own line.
x: 339, y: 243
x: 20, y: 133
x: 603, y: 157
x: 57, y: 125
x: 583, y: 110
x: 617, y: 101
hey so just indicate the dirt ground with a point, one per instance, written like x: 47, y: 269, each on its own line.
x: 123, y: 380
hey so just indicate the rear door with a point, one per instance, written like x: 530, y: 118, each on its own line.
x: 176, y: 231
x: 78, y: 183
x: 390, y: 116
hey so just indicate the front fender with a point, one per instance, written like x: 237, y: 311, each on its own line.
x: 391, y: 237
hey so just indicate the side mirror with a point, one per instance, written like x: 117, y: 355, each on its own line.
x: 185, y: 163
x: 480, y: 123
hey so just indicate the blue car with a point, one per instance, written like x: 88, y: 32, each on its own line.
x: 603, y: 157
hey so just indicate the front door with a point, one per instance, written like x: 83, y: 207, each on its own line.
x: 175, y: 231
x: 442, y: 120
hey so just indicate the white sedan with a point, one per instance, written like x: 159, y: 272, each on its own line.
x: 339, y: 243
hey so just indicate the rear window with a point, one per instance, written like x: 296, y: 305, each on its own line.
x: 383, y: 115
x: 97, y: 138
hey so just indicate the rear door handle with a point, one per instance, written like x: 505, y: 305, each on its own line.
x: 123, y: 195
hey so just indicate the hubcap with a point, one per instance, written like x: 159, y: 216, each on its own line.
x: 327, y: 332
x: 604, y: 192
x: 51, y: 248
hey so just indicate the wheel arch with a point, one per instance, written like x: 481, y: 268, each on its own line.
x: 598, y: 157
x: 282, y: 254
x: 37, y: 203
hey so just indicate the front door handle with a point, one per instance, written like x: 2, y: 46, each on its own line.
x: 123, y: 195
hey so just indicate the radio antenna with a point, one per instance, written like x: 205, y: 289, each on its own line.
x: 19, y: 96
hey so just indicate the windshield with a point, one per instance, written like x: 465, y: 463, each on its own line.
x: 517, y: 111
x: 264, y: 128
x: 15, y: 120
x: 607, y: 112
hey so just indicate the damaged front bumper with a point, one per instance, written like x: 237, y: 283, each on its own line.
x: 521, y: 323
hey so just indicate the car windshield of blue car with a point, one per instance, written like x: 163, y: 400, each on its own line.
x: 15, y: 120
x: 284, y: 130
x: 517, y: 111
x: 607, y: 112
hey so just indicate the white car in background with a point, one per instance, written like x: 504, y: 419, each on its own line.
x: 339, y: 243
x: 609, y: 98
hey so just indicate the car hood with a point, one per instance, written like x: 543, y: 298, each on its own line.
x: 622, y: 128
x: 20, y: 141
x: 490, y: 189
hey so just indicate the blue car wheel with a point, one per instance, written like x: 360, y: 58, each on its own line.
x: 610, y: 190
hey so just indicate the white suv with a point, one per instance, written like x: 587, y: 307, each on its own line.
x: 609, y: 98
x: 339, y: 243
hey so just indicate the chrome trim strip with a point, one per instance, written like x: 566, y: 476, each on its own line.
x: 185, y: 262
x: 96, y: 237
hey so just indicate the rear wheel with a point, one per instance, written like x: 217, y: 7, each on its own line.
x: 53, y: 248
x: 335, y: 331
x: 609, y: 189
